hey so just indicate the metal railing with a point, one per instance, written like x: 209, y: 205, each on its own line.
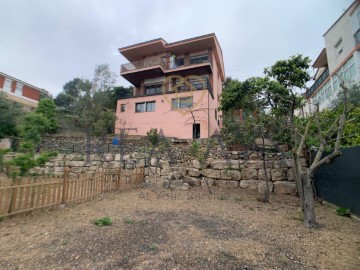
x: 144, y: 63
x: 318, y: 82
x: 170, y: 88
x: 357, y: 37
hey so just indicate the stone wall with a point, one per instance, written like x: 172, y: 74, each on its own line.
x: 240, y: 170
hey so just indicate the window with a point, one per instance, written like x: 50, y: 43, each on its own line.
x: 182, y: 103
x: 145, y: 107
x: 122, y: 107
x: 152, y: 89
x: 19, y: 88
x: 199, y: 59
x: 179, y: 62
x: 7, y: 85
x: 215, y: 114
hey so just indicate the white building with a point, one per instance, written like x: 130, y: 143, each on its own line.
x: 339, y: 60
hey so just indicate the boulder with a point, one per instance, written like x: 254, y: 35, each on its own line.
x: 154, y: 162
x: 194, y: 172
x: 207, y: 182
x: 278, y: 174
x: 224, y: 164
x: 211, y: 173
x: 262, y: 187
x: 249, y: 184
x: 176, y: 184
x: 261, y: 174
x: 230, y: 174
x: 285, y: 187
x: 192, y: 181
x: 226, y: 183
x: 249, y: 174
x: 185, y: 186
x: 291, y: 174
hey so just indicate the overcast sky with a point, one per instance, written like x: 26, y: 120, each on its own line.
x: 49, y: 42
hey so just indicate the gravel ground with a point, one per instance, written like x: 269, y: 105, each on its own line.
x: 158, y: 229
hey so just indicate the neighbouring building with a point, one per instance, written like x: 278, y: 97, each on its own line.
x: 177, y: 87
x: 21, y: 92
x: 339, y: 60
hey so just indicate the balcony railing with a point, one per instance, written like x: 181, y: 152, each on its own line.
x: 317, y: 83
x: 166, y: 63
x: 170, y: 88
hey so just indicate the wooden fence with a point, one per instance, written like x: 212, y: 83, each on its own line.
x: 28, y: 194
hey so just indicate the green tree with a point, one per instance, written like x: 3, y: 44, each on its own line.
x: 65, y: 101
x: 9, y: 116
x: 47, y: 108
x: 35, y: 125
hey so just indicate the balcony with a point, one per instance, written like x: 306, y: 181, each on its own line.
x: 317, y: 83
x: 174, y: 87
x: 157, y: 66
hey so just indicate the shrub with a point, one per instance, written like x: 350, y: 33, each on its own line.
x: 128, y: 221
x: 45, y: 157
x: 153, y: 136
x: 24, y: 162
x: 104, y: 221
x: 342, y: 211
x: 2, y: 153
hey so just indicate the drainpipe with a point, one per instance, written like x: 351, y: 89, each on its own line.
x: 208, y: 114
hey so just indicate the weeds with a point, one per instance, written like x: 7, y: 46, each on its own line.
x: 128, y: 221
x: 153, y: 246
x: 237, y: 199
x: 105, y: 221
x: 344, y: 212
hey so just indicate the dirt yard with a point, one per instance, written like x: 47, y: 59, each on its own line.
x: 157, y: 229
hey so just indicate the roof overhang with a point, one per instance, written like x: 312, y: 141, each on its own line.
x: 321, y: 60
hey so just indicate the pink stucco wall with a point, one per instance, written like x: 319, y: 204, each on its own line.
x: 173, y: 123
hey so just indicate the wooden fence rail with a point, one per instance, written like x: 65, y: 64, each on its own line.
x: 28, y: 194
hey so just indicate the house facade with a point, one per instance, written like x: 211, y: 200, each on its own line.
x: 338, y: 61
x: 21, y: 92
x: 177, y: 88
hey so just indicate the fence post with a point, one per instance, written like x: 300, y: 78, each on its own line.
x: 102, y: 181
x: 65, y: 185
x: 13, y: 195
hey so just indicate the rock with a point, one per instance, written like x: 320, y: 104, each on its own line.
x: 154, y: 170
x: 227, y: 183
x: 230, y: 174
x: 249, y: 184
x: 285, y: 187
x: 198, y: 165
x: 166, y: 184
x: 76, y: 163
x: 262, y: 187
x: 176, y: 184
x: 165, y: 171
x: 211, y: 173
x: 194, y: 172
x: 291, y: 174
x: 224, y: 164
x: 255, y: 164
x: 249, y: 174
x: 207, y: 182
x: 141, y: 163
x: 261, y: 174
x: 185, y: 186
x: 174, y: 175
x: 107, y: 157
x: 278, y: 174
x: 154, y: 162
x: 192, y: 181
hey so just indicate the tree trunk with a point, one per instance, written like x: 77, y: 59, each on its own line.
x: 309, y: 201
x: 88, y: 138
x: 267, y: 192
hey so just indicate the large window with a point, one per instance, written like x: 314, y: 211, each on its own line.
x: 182, y: 103
x: 152, y: 89
x: 145, y: 106
x: 7, y: 85
x: 19, y: 88
x: 199, y: 59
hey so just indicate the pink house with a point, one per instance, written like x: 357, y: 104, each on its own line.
x: 177, y: 87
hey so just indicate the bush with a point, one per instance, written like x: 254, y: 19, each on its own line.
x: 153, y: 137
x: 105, y: 221
x: 45, y: 157
x: 342, y: 211
x: 2, y: 153
x: 24, y: 162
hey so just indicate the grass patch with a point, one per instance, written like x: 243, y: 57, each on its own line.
x: 105, y: 221
x: 344, y: 212
x: 298, y: 215
x: 237, y: 199
x: 153, y: 246
x: 128, y: 221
